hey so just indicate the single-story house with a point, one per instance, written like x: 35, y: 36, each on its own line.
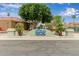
x: 71, y: 24
x: 74, y: 26
x: 10, y: 22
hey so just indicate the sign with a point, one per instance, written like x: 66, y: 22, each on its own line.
x: 40, y: 32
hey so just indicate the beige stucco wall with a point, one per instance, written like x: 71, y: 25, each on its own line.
x: 5, y: 24
x: 8, y: 22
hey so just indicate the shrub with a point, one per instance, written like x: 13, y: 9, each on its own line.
x: 19, y: 28
x: 59, y: 28
x: 49, y: 26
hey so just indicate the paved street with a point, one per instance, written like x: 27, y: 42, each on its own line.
x: 11, y: 45
x: 39, y: 47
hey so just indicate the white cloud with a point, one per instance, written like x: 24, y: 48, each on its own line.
x: 77, y: 13
x: 60, y: 3
x: 3, y: 14
x: 12, y: 8
x: 70, y: 12
x: 64, y: 3
x: 77, y: 16
x: 14, y: 5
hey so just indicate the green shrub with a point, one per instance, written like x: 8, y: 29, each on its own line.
x: 19, y: 28
x: 49, y: 26
x: 59, y: 28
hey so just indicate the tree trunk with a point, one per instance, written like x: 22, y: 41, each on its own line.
x: 60, y: 33
x: 20, y: 33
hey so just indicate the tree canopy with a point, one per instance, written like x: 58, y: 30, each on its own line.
x: 59, y: 28
x: 35, y: 12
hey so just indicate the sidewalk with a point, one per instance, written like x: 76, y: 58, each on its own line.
x: 39, y: 38
x: 10, y: 36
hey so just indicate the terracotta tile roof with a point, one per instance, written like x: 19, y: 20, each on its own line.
x: 76, y: 24
x: 9, y: 19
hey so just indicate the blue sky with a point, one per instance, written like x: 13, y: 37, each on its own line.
x: 66, y: 10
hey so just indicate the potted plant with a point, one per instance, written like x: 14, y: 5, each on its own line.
x: 19, y: 28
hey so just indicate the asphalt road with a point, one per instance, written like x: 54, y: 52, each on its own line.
x: 39, y: 47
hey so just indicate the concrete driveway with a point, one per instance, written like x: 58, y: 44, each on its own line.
x: 39, y: 47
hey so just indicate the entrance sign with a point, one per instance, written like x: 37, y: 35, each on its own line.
x: 40, y: 32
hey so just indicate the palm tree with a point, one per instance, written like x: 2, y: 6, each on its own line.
x: 74, y: 17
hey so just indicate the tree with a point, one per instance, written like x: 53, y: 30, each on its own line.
x: 74, y: 17
x: 58, y: 25
x: 35, y: 12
